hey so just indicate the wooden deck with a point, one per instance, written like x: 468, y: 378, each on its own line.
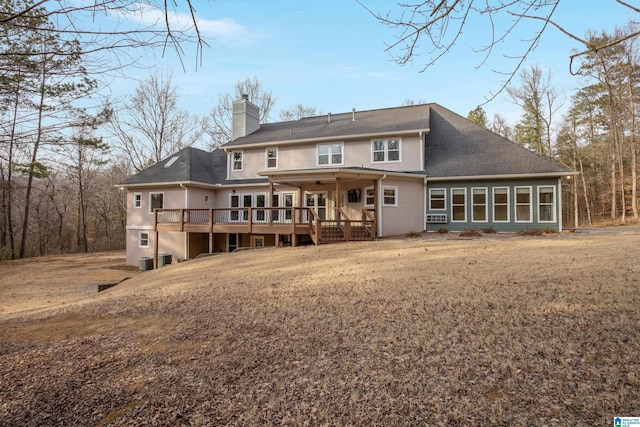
x: 292, y: 221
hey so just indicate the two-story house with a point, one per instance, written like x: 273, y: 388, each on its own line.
x: 351, y: 176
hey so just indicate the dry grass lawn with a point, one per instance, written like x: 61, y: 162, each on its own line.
x: 425, y: 331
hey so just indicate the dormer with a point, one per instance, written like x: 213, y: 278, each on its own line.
x: 246, y: 117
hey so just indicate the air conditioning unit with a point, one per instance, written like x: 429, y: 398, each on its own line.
x: 145, y: 263
x: 436, y: 218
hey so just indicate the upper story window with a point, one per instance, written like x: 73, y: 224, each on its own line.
x: 272, y: 158
x: 237, y: 160
x: 137, y: 200
x: 156, y: 201
x: 386, y: 150
x: 330, y: 154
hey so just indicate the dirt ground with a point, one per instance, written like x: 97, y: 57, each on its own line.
x: 438, y: 330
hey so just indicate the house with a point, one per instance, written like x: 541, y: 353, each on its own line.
x: 352, y: 176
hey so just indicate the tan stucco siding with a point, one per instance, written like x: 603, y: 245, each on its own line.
x: 201, y: 198
x: 173, y: 198
x: 305, y: 156
x: 169, y: 243
x: 408, y: 216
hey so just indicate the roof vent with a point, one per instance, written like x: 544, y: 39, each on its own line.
x: 353, y: 114
x: 329, y: 118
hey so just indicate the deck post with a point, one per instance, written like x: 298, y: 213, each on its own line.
x: 211, y: 248
x: 271, y: 202
x: 155, y: 239
x: 337, y: 204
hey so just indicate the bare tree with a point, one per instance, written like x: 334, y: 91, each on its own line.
x: 540, y: 102
x: 222, y: 114
x: 439, y: 24
x: 150, y: 126
x: 158, y: 24
x: 297, y: 112
x: 500, y: 126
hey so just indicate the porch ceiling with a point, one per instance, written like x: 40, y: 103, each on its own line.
x: 329, y: 175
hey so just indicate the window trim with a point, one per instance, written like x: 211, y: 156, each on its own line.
x: 330, y: 159
x: 444, y: 199
x: 385, y: 150
x: 140, y: 233
x: 233, y: 161
x: 486, y: 205
x: 464, y: 190
x: 508, y: 204
x: 395, y: 195
x: 552, y: 204
x: 516, y: 204
x: 365, y: 204
x: 267, y: 158
x: 151, y: 193
x: 137, y: 200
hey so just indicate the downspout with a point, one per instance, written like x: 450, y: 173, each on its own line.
x: 424, y: 205
x: 379, y: 201
x: 422, y: 143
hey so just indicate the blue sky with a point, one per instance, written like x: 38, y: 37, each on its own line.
x: 331, y: 55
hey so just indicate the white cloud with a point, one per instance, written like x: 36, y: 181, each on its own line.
x: 225, y: 30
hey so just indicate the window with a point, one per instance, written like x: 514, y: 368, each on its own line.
x: 437, y: 199
x: 156, y: 201
x: 237, y: 160
x: 137, y: 200
x: 330, y: 154
x: 261, y: 202
x: 272, y: 158
x: 234, y: 202
x: 247, y: 202
x: 458, y: 204
x: 479, y: 204
x: 387, y: 150
x: 547, y: 204
x: 523, y: 204
x: 369, y: 196
x: 500, y: 204
x: 390, y: 196
x: 143, y: 239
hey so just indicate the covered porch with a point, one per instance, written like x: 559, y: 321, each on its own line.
x: 328, y: 206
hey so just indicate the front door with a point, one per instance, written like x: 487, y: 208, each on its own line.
x: 318, y: 202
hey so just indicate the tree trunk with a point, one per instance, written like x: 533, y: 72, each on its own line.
x: 34, y: 158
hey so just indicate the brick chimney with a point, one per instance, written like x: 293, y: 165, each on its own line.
x: 246, y: 117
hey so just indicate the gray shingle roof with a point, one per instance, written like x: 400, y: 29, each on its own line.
x: 386, y: 120
x: 457, y: 147
x: 190, y: 165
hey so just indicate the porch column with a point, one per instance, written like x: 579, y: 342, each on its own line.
x: 271, y: 202
x: 376, y: 209
x: 337, y: 193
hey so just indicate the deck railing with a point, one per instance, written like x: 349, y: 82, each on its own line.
x: 285, y: 218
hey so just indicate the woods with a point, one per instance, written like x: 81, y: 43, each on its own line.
x: 65, y: 145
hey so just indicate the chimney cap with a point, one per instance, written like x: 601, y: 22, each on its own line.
x: 245, y: 96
